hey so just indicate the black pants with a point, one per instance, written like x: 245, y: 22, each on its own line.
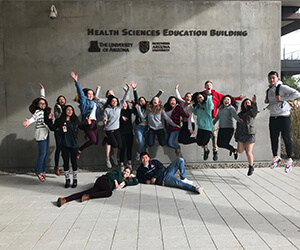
x: 114, y: 138
x: 224, y: 138
x: 185, y: 136
x: 281, y: 124
x: 203, y: 137
x: 101, y: 189
x: 69, y: 153
x: 127, y: 141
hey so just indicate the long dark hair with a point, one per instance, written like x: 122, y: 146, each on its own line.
x: 195, y: 95
x: 243, y: 109
x: 109, y: 99
x: 35, y: 105
x: 167, y: 105
x: 57, y: 99
x: 73, y: 118
x: 233, y: 102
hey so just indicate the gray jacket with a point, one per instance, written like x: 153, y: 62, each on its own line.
x: 250, y: 114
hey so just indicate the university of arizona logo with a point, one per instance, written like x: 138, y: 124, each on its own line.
x: 144, y: 46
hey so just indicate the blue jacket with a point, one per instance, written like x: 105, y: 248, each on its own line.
x: 86, y: 105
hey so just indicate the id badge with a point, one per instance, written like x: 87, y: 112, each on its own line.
x: 64, y: 128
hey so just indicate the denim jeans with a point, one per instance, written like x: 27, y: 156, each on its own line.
x: 160, y: 133
x: 43, y: 146
x: 141, y: 133
x: 170, y: 139
x: 169, y: 179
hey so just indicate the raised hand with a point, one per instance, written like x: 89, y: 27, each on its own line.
x: 99, y: 87
x: 254, y: 98
x: 161, y: 91
x: 128, y: 86
x: 74, y: 76
x: 176, y: 87
x: 42, y: 87
x: 133, y: 84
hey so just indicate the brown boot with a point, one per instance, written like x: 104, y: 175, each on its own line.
x: 85, y: 197
x: 56, y: 171
x: 61, y: 201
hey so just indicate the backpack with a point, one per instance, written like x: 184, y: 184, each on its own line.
x: 276, y: 90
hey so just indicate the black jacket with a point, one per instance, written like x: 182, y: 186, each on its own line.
x: 154, y: 169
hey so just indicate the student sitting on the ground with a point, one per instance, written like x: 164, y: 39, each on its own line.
x: 154, y: 172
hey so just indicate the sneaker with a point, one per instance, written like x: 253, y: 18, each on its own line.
x: 85, y: 197
x: 198, y: 189
x: 67, y: 185
x: 129, y: 165
x: 108, y: 164
x: 206, y: 153
x: 74, y: 185
x: 288, y: 166
x: 115, y: 160
x: 178, y: 152
x: 60, y: 201
x: 137, y: 156
x: 185, y: 180
x: 122, y: 168
x: 275, y: 162
x: 215, y: 157
x: 250, y: 170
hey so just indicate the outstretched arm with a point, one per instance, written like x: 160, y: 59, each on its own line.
x: 42, y: 92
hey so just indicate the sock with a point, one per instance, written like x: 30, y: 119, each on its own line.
x: 67, y: 175
x: 74, y: 175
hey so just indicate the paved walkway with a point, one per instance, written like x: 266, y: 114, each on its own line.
x: 234, y: 212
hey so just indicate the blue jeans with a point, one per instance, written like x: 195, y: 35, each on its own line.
x: 160, y: 133
x: 171, y: 137
x: 170, y: 181
x: 141, y: 133
x: 43, y: 146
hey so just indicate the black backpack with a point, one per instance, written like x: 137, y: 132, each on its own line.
x: 276, y: 91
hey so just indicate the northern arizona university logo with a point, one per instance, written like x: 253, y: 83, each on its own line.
x: 144, y: 46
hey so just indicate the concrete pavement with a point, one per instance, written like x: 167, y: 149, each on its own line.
x: 234, y: 212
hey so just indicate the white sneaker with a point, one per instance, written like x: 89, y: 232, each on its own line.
x: 199, y: 190
x: 115, y: 160
x: 108, y: 164
x: 275, y: 162
x: 137, y: 156
x: 187, y: 181
x: 288, y: 166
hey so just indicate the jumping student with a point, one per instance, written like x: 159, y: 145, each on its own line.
x: 90, y: 110
x: 68, y: 125
x: 277, y: 96
x: 245, y: 130
x: 111, y: 121
x: 203, y: 107
x: 39, y: 108
x: 103, y: 187
x: 141, y: 128
x: 58, y: 110
x: 175, y: 112
x: 227, y: 111
x: 188, y: 124
x: 216, y: 99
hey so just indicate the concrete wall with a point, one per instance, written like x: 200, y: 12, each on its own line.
x: 36, y: 49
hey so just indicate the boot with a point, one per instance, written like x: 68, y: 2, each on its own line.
x: 74, y: 185
x: 56, y: 171
x: 67, y: 185
x: 61, y: 201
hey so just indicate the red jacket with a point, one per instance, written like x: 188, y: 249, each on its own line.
x: 216, y: 98
x: 175, y: 117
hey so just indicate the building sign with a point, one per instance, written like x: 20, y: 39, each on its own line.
x: 146, y: 46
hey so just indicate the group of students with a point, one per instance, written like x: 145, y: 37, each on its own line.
x: 166, y: 122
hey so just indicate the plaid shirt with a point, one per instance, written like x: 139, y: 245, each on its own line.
x: 175, y: 117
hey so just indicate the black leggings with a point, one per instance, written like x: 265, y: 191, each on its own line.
x: 101, y: 189
x: 127, y: 141
x: 68, y: 153
x: 203, y: 137
x: 281, y: 124
x: 185, y: 136
x: 114, y: 138
x: 224, y: 138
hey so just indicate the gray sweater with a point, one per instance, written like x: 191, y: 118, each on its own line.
x: 112, y: 115
x: 155, y: 121
x: 225, y: 116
